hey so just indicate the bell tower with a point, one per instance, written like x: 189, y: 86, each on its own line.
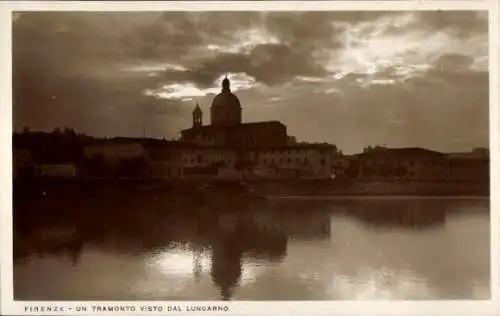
x: 197, y: 116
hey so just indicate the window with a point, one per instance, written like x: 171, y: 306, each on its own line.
x: 289, y: 160
x: 323, y: 162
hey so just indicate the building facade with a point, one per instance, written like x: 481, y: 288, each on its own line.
x: 417, y: 163
x: 398, y: 163
x: 469, y: 165
x: 314, y: 161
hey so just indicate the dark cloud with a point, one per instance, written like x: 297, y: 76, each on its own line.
x: 455, y: 70
x: 461, y: 23
x: 174, y: 35
x: 269, y: 63
x: 201, y: 78
x: 305, y: 37
x: 303, y: 28
x: 272, y: 64
x: 453, y: 61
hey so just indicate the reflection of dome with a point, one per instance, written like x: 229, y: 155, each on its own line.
x: 226, y: 269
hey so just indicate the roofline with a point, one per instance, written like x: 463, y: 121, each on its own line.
x: 399, y: 149
x: 233, y: 126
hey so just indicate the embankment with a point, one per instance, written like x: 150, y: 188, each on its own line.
x: 371, y: 188
x: 205, y: 189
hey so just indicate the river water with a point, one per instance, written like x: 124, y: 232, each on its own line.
x: 340, y: 249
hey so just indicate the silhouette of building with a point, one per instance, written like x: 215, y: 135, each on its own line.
x: 469, y: 165
x: 197, y: 117
x: 22, y: 162
x: 226, y: 128
x: 412, y: 163
x: 256, y: 149
x: 418, y: 163
x: 226, y: 107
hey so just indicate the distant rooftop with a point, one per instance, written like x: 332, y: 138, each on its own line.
x: 159, y: 143
x: 403, y: 151
x: 242, y: 125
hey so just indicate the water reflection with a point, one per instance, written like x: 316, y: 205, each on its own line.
x: 240, y: 249
x: 407, y: 214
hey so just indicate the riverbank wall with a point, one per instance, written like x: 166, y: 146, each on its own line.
x: 177, y: 188
x: 373, y: 188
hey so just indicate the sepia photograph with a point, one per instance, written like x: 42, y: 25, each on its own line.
x: 250, y: 155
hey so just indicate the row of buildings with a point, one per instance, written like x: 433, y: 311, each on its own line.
x: 229, y: 148
x: 160, y: 159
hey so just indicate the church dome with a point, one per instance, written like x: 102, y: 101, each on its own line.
x: 226, y: 98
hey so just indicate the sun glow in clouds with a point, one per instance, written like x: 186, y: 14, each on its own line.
x: 371, y: 48
x: 239, y: 81
x: 309, y: 79
x: 246, y: 41
x: 154, y: 67
x: 180, y: 91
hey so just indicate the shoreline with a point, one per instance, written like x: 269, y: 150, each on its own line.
x: 376, y: 197
x: 264, y: 189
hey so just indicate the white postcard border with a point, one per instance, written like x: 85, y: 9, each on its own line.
x: 10, y: 307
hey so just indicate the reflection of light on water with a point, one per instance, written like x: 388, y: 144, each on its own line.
x: 180, y: 262
x: 251, y: 270
x: 182, y: 269
x: 172, y: 271
x: 372, y: 284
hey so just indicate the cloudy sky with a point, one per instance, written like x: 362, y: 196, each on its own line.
x: 349, y: 78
